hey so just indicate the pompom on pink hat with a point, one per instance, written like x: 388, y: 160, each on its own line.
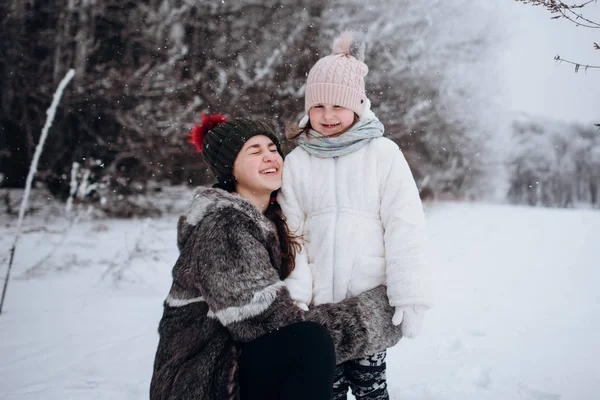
x: 339, y: 78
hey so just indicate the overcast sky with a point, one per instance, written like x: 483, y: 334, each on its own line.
x: 532, y: 81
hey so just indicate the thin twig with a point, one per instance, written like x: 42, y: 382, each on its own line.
x: 594, y: 24
x: 31, y: 270
x: 560, y: 7
x: 32, y: 170
x: 577, y: 65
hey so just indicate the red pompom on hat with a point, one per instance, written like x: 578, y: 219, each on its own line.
x: 209, y: 121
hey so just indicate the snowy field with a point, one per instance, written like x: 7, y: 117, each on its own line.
x: 517, y: 315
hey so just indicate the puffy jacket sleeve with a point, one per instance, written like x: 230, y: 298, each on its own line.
x: 407, y: 269
x: 300, y: 281
x: 235, y: 275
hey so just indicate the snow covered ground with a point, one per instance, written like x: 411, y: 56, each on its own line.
x: 517, y: 315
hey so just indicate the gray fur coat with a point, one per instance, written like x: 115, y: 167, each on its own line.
x: 226, y: 289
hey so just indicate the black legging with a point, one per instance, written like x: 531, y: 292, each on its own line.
x: 293, y: 362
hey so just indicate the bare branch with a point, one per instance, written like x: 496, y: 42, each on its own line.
x: 558, y: 7
x: 590, y: 23
x: 561, y: 9
x: 576, y: 64
x: 593, y: 24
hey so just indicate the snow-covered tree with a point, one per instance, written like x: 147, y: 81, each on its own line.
x: 417, y: 53
x: 554, y: 164
x: 146, y: 69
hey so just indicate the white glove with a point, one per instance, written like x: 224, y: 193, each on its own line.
x: 411, y: 318
x: 301, y: 305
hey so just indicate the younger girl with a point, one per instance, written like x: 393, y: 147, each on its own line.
x: 349, y: 192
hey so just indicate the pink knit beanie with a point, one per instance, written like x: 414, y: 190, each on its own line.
x: 338, y: 78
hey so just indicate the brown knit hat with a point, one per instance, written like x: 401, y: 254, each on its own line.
x: 338, y: 78
x: 220, y: 140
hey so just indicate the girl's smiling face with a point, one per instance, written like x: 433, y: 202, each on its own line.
x: 258, y: 166
x: 331, y: 120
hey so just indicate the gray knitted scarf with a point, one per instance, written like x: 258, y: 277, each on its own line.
x: 353, y: 139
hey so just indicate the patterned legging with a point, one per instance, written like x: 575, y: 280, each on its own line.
x: 365, y: 376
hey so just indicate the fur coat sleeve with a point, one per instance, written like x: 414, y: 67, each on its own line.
x: 360, y: 325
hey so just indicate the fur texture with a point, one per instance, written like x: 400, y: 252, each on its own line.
x: 226, y: 289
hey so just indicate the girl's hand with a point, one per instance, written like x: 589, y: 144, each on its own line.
x: 301, y: 305
x: 411, y: 318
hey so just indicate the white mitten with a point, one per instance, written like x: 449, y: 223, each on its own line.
x: 411, y: 318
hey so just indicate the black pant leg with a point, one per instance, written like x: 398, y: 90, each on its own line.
x: 293, y: 362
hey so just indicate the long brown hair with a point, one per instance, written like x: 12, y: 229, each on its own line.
x: 289, y: 244
x: 293, y: 130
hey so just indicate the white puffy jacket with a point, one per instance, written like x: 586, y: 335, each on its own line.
x: 362, y: 222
